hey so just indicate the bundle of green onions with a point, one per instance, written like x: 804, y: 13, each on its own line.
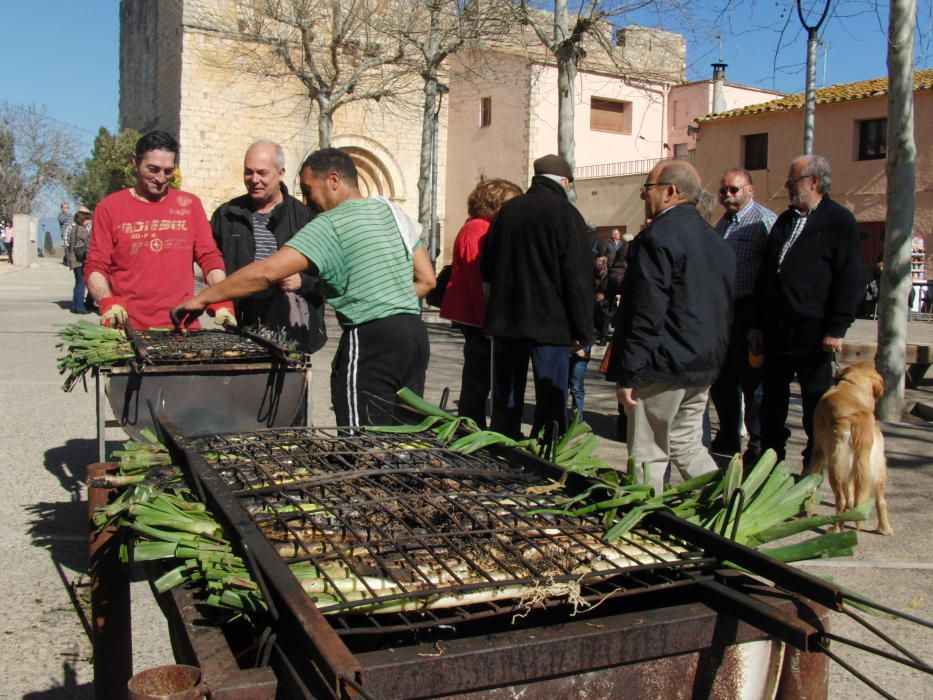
x: 87, y: 345
x: 754, y: 509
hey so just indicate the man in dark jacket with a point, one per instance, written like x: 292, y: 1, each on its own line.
x: 807, y: 294
x: 255, y: 225
x: 538, y: 261
x: 674, y: 330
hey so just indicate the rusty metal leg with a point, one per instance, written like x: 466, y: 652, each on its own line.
x: 110, y: 603
x: 101, y: 416
x: 805, y: 674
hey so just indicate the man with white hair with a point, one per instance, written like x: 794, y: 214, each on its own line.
x: 253, y: 226
x: 806, y: 297
x: 674, y: 327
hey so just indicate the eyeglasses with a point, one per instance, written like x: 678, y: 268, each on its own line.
x: 648, y: 185
x: 731, y: 190
x: 792, y: 180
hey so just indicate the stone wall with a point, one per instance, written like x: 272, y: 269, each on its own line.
x: 150, y: 64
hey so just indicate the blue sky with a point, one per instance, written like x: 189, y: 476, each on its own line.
x: 64, y: 54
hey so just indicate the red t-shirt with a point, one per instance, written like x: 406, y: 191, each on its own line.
x: 146, y: 250
x: 464, y: 301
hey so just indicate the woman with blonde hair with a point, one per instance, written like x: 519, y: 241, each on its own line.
x: 464, y: 301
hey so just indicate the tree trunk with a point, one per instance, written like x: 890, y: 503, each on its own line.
x: 566, y: 76
x: 325, y: 123
x: 426, y: 161
x: 901, y: 183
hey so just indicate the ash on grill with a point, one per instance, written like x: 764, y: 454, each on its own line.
x: 196, y: 347
x: 400, y: 526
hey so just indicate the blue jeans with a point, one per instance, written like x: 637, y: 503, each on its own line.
x: 577, y: 377
x: 77, y: 295
x: 550, y: 365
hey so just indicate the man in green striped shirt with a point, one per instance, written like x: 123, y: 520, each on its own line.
x: 369, y: 255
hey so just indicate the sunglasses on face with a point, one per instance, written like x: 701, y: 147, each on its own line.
x: 731, y: 190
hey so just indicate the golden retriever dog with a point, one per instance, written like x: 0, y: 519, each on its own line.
x: 847, y: 441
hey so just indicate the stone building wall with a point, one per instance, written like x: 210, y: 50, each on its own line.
x: 150, y: 64
x: 220, y: 108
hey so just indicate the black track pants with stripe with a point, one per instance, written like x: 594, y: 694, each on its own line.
x: 373, y: 361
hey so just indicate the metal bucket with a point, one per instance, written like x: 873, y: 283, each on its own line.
x: 173, y: 682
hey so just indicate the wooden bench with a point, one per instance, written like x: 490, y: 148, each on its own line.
x: 918, y: 358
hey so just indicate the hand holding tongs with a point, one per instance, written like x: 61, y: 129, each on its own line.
x: 222, y: 313
x: 139, y: 349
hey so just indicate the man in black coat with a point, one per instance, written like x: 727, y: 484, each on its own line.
x: 807, y: 294
x: 538, y: 261
x: 255, y: 225
x: 674, y: 327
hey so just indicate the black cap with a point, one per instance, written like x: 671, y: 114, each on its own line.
x: 553, y: 165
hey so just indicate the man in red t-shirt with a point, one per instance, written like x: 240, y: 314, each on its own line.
x: 144, y: 242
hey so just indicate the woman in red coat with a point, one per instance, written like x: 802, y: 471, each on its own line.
x: 464, y: 300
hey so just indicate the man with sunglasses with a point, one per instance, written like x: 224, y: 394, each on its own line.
x: 744, y: 226
x: 674, y: 329
x: 806, y: 297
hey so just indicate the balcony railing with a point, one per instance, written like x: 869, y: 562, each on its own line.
x: 628, y: 167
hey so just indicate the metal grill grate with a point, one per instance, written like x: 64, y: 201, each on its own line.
x: 401, y: 526
x: 197, y: 347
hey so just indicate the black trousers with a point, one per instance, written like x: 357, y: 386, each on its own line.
x: 799, y: 356
x: 602, y: 314
x: 550, y: 366
x: 475, y: 378
x: 737, y: 380
x: 373, y: 361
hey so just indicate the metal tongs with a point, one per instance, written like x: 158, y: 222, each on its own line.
x: 139, y: 349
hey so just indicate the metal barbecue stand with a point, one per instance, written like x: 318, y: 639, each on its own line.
x: 392, y: 506
x: 251, y: 382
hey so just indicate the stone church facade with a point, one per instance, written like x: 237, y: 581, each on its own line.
x: 176, y: 75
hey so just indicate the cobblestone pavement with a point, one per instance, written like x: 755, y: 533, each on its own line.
x: 48, y: 439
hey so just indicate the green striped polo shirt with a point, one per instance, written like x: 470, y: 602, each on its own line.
x: 359, y: 253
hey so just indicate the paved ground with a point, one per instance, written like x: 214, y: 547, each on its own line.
x: 47, y: 439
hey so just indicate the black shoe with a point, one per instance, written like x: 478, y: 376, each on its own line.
x: 751, y: 456
x: 721, y: 447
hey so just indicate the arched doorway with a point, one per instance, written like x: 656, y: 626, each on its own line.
x: 377, y: 170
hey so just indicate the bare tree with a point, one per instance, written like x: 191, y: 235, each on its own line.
x: 565, y: 39
x: 333, y: 50
x: 434, y: 30
x: 900, y: 169
x: 36, y: 153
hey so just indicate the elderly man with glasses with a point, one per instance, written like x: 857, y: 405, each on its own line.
x: 674, y: 329
x: 806, y: 297
x: 744, y: 226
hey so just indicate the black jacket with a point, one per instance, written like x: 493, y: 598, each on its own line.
x: 676, y: 305
x: 819, y: 284
x: 538, y: 261
x: 233, y: 231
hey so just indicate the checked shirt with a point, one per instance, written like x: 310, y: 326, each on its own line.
x: 747, y: 233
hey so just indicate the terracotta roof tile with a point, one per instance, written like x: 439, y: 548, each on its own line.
x: 923, y: 80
